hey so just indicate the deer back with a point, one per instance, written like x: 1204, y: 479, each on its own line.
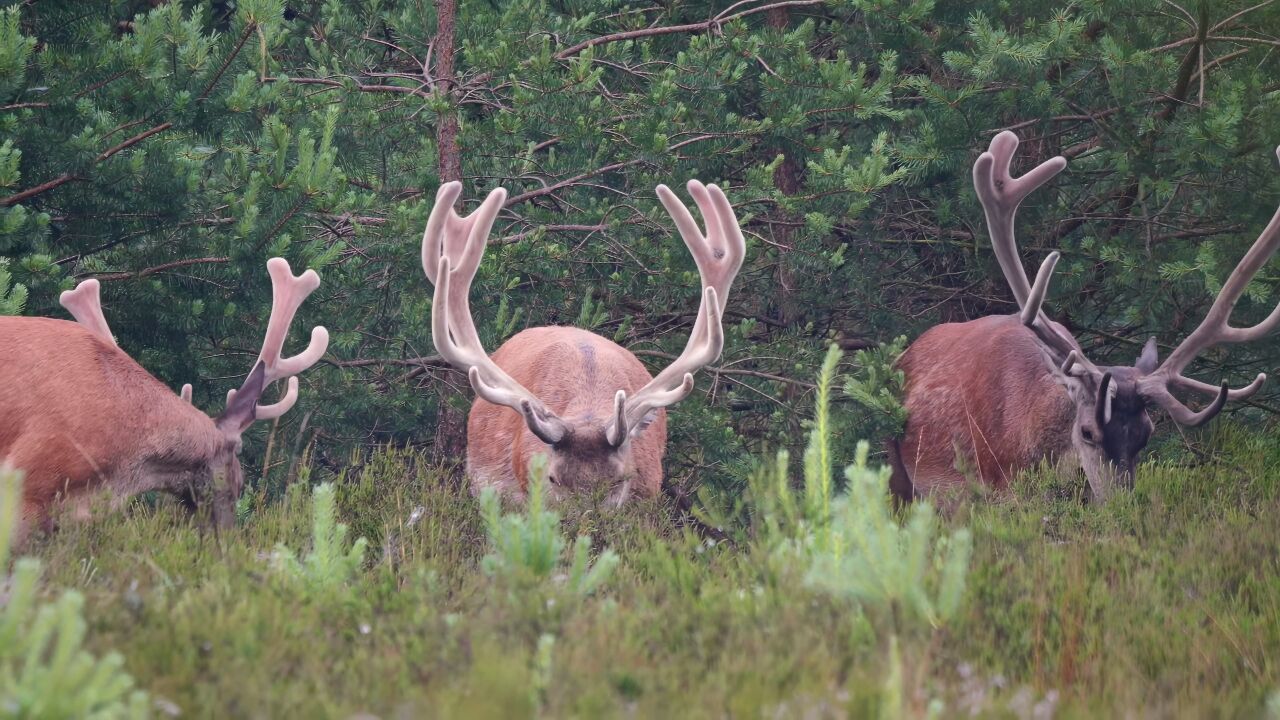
x: 981, y: 391
x: 77, y: 414
x: 576, y: 374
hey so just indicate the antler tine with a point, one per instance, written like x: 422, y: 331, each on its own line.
x: 1000, y: 194
x: 1216, y: 326
x: 1181, y: 414
x: 1243, y: 393
x: 718, y: 254
x: 85, y: 305
x: 448, y: 235
x: 452, y: 248
x: 1041, y: 286
x: 284, y: 405
x: 287, y: 294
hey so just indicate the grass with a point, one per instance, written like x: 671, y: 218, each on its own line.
x: 1164, y: 602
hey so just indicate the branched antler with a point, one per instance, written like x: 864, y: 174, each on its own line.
x: 718, y: 254
x: 287, y: 294
x: 452, y: 247
x: 1000, y: 194
x: 1216, y: 329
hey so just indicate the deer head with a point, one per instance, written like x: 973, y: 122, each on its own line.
x: 215, y: 477
x: 593, y: 447
x: 1112, y: 424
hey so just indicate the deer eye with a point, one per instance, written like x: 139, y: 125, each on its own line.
x: 1088, y: 435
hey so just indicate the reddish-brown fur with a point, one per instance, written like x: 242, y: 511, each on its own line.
x: 575, y: 373
x: 79, y: 416
x: 982, y: 388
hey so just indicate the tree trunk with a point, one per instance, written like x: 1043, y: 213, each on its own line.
x: 786, y: 178
x: 451, y: 423
x: 447, y: 132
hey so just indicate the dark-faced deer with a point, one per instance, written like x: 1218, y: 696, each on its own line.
x: 584, y: 401
x: 1005, y: 392
x: 82, y: 419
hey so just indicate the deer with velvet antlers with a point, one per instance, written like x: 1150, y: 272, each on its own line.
x: 584, y: 401
x: 1005, y: 392
x: 81, y: 418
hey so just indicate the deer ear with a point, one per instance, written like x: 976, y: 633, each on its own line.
x: 242, y: 408
x: 1149, y: 358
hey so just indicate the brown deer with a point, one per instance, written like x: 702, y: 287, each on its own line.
x: 81, y: 418
x: 1004, y: 392
x: 584, y: 401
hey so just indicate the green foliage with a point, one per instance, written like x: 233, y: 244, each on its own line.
x: 527, y: 545
x: 818, y: 464
x: 906, y: 570
x: 10, y: 494
x: 13, y: 297
x: 330, y: 564
x: 783, y: 516
x: 45, y: 670
x: 15, y: 51
x: 877, y: 386
x: 853, y: 544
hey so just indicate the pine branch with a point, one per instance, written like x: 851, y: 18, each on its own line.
x: 566, y: 183
x: 729, y: 371
x: 293, y: 210
x: 244, y: 37
x: 135, y: 140
x: 68, y: 177
x: 338, y: 84
x: 43, y: 187
x: 100, y: 84
x: 425, y: 361
x: 161, y: 268
x: 674, y: 29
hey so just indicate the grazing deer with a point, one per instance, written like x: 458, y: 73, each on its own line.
x: 1006, y: 391
x: 80, y: 417
x: 584, y: 401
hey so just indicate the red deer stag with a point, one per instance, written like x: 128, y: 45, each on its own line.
x: 583, y: 400
x: 81, y: 418
x: 1006, y: 391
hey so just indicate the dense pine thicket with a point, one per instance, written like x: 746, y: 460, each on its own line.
x: 169, y: 149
